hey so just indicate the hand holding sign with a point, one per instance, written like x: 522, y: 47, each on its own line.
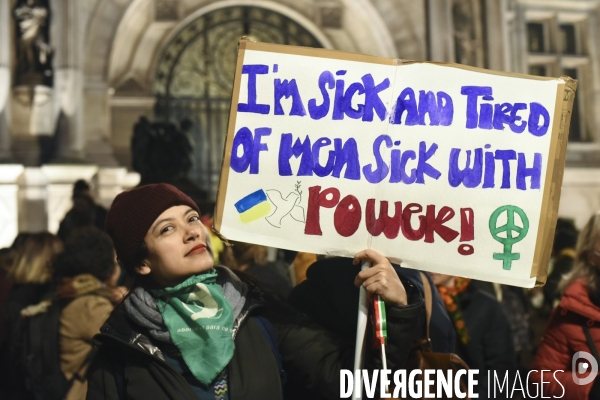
x: 381, y: 279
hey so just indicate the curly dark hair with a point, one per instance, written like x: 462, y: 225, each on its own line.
x: 87, y: 251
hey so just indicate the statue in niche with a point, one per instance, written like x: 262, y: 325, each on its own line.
x: 467, y: 32
x: 34, y: 51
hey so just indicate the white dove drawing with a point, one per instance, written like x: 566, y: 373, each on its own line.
x: 210, y: 308
x: 283, y: 207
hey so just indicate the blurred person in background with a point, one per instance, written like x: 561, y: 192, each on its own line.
x: 575, y: 323
x: 483, y: 333
x: 85, y: 211
x: 517, y: 308
x: 20, y: 240
x: 544, y: 299
x: 87, y: 272
x: 30, y: 274
x: 7, y: 256
x: 252, y: 260
x: 302, y: 261
x: 563, y: 255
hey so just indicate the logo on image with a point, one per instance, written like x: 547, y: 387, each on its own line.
x: 579, y: 368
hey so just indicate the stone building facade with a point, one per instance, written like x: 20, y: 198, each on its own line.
x: 113, y: 61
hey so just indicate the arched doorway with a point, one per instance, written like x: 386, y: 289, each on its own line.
x: 195, y: 76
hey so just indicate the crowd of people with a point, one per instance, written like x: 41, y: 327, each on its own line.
x: 143, y: 302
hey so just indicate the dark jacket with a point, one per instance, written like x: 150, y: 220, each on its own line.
x: 490, y: 346
x: 12, y: 385
x: 328, y: 296
x: 311, y: 356
x: 272, y: 276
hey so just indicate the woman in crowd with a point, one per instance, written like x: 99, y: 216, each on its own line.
x: 31, y: 272
x: 483, y: 332
x: 574, y: 325
x: 191, y: 330
x: 252, y: 260
x: 87, y: 272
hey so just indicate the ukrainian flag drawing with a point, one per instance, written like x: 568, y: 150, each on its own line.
x: 254, y: 206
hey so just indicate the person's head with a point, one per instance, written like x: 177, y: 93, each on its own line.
x: 81, y: 188
x: 7, y: 258
x: 33, y: 258
x: 442, y: 280
x: 241, y: 255
x: 157, y: 234
x: 88, y: 251
x: 20, y: 240
x: 565, y: 236
x: 587, y: 259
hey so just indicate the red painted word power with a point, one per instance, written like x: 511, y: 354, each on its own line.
x: 348, y: 216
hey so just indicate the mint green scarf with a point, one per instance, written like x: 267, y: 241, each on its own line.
x: 200, y: 321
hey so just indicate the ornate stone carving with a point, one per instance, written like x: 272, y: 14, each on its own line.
x: 33, y: 48
x: 331, y: 16
x: 165, y: 10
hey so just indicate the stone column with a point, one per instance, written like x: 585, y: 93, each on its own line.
x: 9, y: 213
x: 67, y: 37
x: 60, y: 189
x: 5, y: 82
x: 497, y: 38
x: 440, y: 30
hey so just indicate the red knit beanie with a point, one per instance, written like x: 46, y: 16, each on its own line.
x: 133, y: 212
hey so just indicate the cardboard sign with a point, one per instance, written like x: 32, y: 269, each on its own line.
x: 448, y: 168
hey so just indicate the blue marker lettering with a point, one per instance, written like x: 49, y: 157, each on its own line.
x: 380, y: 172
x: 286, y: 89
x: 534, y: 172
x: 423, y: 168
x: 319, y: 111
x: 470, y: 175
x: 372, y: 100
x: 252, y: 106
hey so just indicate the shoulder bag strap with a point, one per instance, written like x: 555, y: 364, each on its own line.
x: 428, y: 302
x: 590, y: 341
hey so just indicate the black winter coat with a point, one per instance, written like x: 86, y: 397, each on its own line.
x: 328, y: 296
x: 490, y: 346
x: 311, y: 356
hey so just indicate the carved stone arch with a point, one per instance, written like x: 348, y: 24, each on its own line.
x: 406, y: 22
x: 141, y: 37
x: 282, y: 9
x: 362, y: 29
x: 104, y: 18
x: 195, y: 73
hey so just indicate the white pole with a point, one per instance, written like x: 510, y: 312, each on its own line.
x: 384, y: 362
x: 361, y: 327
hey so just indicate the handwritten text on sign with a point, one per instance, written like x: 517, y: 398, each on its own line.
x: 334, y: 156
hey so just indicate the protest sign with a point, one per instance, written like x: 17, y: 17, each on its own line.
x: 449, y: 168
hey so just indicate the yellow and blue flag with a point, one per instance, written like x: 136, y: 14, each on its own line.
x: 254, y: 206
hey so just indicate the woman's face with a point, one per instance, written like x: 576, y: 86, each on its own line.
x: 177, y: 247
